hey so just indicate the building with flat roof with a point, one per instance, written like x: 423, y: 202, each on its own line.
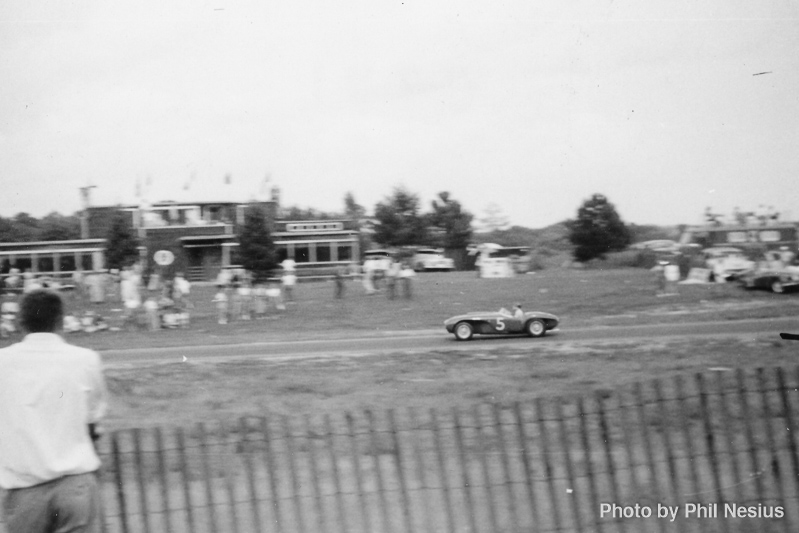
x: 202, y: 236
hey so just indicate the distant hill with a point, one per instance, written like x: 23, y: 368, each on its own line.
x: 555, y: 237
x: 551, y: 246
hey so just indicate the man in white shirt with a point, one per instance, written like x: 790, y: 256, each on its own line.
x: 52, y: 396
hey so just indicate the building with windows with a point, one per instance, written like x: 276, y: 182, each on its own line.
x: 202, y: 236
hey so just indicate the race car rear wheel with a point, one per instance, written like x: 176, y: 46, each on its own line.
x: 777, y: 287
x: 535, y: 328
x: 463, y: 331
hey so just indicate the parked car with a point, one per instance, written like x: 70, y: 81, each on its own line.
x: 431, y: 259
x: 727, y: 262
x: 533, y: 323
x: 779, y: 281
x: 381, y: 258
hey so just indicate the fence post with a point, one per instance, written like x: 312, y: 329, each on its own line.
x: 514, y: 517
x: 421, y: 471
x: 342, y: 514
x: 565, y: 445
x: 142, y: 486
x: 356, y: 466
x: 492, y: 513
x: 295, y: 482
x: 772, y: 445
x: 750, y: 439
x: 629, y: 449
x: 244, y: 430
x: 271, y: 472
x: 406, y: 508
x: 589, y: 470
x: 685, y: 422
x: 120, y: 483
x: 208, y: 477
x: 230, y: 486
x: 163, y: 477
x: 544, y: 438
x: 184, y: 471
x: 442, y: 468
x: 528, y: 469
x: 381, y: 491
x: 608, y: 448
x: 648, y: 451
x: 704, y: 407
x: 727, y: 422
x: 321, y: 522
x: 665, y: 431
x: 789, y: 426
x: 467, y: 483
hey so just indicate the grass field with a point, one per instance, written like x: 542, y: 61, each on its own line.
x: 580, y: 298
x: 183, y: 393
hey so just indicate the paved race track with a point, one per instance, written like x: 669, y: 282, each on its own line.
x: 425, y: 340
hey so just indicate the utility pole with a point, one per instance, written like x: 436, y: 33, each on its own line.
x: 84, y: 217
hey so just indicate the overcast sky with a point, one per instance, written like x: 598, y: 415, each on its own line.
x: 533, y: 106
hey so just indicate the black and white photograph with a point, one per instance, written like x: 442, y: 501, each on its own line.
x: 399, y: 267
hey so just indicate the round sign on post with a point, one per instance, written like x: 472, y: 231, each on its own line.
x: 163, y: 257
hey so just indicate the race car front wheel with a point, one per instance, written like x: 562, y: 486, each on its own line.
x: 464, y: 331
x: 536, y: 328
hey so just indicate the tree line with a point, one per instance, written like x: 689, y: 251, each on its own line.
x: 398, y: 220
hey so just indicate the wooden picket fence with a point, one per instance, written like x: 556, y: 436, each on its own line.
x: 723, y: 438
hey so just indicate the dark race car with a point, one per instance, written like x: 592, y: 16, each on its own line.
x: 533, y: 323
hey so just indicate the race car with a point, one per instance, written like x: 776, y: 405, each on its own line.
x: 533, y: 323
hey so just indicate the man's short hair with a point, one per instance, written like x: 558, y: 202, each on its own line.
x: 41, y: 311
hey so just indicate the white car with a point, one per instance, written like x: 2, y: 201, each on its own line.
x: 431, y: 259
x: 727, y: 262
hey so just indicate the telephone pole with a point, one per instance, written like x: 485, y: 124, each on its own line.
x: 84, y: 217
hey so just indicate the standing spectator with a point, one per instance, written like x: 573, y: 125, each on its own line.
x: 151, y: 310
x: 339, y: 278
x: 245, y: 298
x: 275, y: 296
x: 659, y: 277
x: 29, y: 281
x: 96, y: 288
x: 223, y: 278
x: 77, y: 281
x: 180, y: 293
x: 9, y: 310
x: 129, y: 292
x: 368, y: 276
x: 671, y: 273
x: 52, y: 396
x: 289, y: 281
x: 13, y: 279
x: 182, y: 289
x: 406, y: 275
x: 392, y: 278
x: 260, y: 300
x: 288, y: 265
x: 221, y: 302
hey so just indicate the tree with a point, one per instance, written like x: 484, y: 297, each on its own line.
x: 56, y: 227
x: 597, y: 230
x: 399, y: 222
x: 353, y: 209
x: 493, y: 219
x: 256, y: 248
x: 122, y: 249
x: 449, y: 216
